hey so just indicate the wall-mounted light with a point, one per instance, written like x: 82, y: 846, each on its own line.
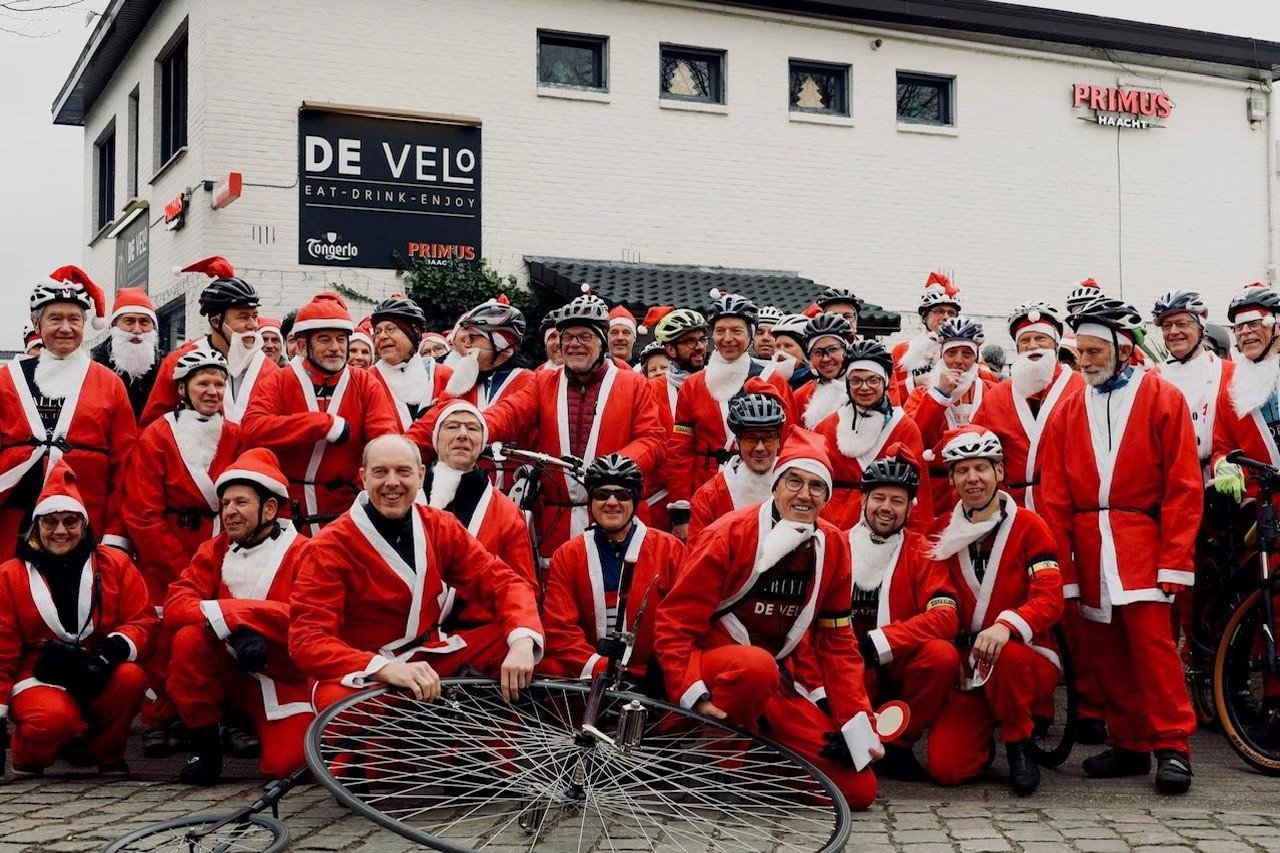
x: 1257, y: 106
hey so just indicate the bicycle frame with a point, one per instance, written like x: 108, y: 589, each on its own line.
x: 1268, y: 478
x: 272, y: 793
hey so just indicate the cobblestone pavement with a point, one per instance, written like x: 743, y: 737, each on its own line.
x: 1230, y: 808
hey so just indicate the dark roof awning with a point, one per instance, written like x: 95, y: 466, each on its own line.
x: 641, y: 286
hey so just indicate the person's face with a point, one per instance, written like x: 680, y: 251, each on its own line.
x: 432, y: 348
x: 846, y: 310
x: 327, y: 348
x: 621, y: 341
x: 293, y: 345
x: 240, y: 320
x: 553, y: 348
x: 759, y: 448
x: 240, y: 511
x: 656, y: 365
x: 866, y: 387
x: 61, y: 328
x: 461, y: 440
x: 1181, y: 332
x: 885, y: 509
x: 959, y: 358
x: 205, y: 390
x: 938, y: 315
x: 135, y: 324
x: 392, y: 477
x: 689, y: 351
x: 612, y: 508
x: 790, y: 346
x: 800, y: 496
x: 35, y: 348
x: 1254, y: 337
x: 580, y: 347
x: 826, y: 356
x: 763, y: 344
x: 60, y: 532
x: 473, y: 340
x: 1097, y: 358
x: 1030, y: 341
x: 976, y: 480
x: 272, y: 344
x: 359, y: 355
x: 393, y: 345
x: 731, y: 336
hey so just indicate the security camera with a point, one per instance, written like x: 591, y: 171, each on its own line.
x: 876, y: 44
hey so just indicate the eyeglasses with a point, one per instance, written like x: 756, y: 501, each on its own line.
x: 385, y: 329
x: 699, y: 341
x: 826, y: 352
x: 1249, y: 326
x: 50, y: 523
x: 604, y: 493
x: 867, y: 382
x: 576, y: 338
x: 1178, y: 325
x: 816, y: 488
x: 747, y: 442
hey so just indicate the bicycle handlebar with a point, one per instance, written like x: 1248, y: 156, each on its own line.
x: 500, y: 452
x: 1237, y: 457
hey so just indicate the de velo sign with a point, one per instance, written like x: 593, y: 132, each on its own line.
x: 381, y: 192
x: 1135, y: 109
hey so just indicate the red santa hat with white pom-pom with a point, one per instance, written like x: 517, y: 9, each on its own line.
x: 83, y: 290
x: 966, y: 442
x: 654, y: 316
x: 804, y: 451
x: 620, y: 316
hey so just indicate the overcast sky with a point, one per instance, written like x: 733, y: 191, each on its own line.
x: 41, y: 165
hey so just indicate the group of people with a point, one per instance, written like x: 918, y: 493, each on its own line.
x: 793, y: 523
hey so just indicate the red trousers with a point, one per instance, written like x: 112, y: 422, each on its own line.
x: 204, y: 679
x: 924, y: 680
x: 1147, y: 705
x: 45, y: 718
x: 158, y: 710
x: 745, y: 683
x: 962, y: 737
x: 1088, y: 689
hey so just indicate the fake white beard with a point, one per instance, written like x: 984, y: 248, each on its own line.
x: 872, y: 555
x: 961, y: 532
x: 827, y: 397
x: 1252, y: 383
x: 966, y: 381
x: 133, y: 360
x: 1031, y: 377
x: 785, y: 537
x: 197, y: 437
x: 58, y: 377
x: 783, y: 365
x: 244, y: 567
x: 852, y: 439
x: 444, y: 485
x: 466, y: 370
x: 239, y: 354
x: 746, y: 487
x: 408, y: 380
x: 921, y: 350
x: 452, y: 357
x: 725, y: 378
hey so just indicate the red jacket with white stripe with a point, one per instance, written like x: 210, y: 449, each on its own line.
x: 917, y: 600
x: 1248, y: 432
x: 934, y: 415
x: 164, y: 393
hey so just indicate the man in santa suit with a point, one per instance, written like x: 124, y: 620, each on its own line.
x: 587, y: 408
x: 841, y: 301
x: 682, y: 332
x: 827, y: 343
x: 231, y: 305
x: 757, y: 421
x: 1124, y: 494
x: 317, y: 413
x: 1003, y: 566
x: 74, y: 620
x: 622, y: 333
x: 229, y: 616
x: 131, y: 349
x: 1192, y: 367
x: 862, y: 429
x: 757, y: 584
x: 62, y: 405
x: 951, y: 396
x: 701, y: 441
x: 913, y: 360
x: 550, y: 341
x: 790, y: 360
x: 413, y: 383
x: 653, y: 361
x: 434, y: 345
x: 762, y: 343
x: 490, y: 335
x: 31, y: 343
x: 272, y: 340
x: 376, y: 584
x: 617, y: 563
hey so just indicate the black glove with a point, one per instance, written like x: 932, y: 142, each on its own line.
x: 59, y: 662
x: 678, y: 515
x: 113, y: 650
x: 249, y: 648
x: 836, y: 749
x: 611, y: 647
x: 870, y: 654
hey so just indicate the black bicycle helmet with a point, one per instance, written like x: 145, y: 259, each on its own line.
x: 826, y: 325
x: 838, y: 293
x: 1256, y: 295
x: 614, y: 469
x: 891, y: 471
x: 1114, y: 314
x: 586, y: 310
x: 753, y: 410
x: 494, y: 315
x: 223, y: 294
x: 1180, y: 300
x: 870, y: 352
x: 732, y: 305
x: 399, y: 309
x: 961, y: 329
x: 1218, y: 337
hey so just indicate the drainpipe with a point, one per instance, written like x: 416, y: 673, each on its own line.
x: 1273, y: 216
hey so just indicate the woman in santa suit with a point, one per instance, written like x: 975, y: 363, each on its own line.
x: 414, y: 382
x: 827, y: 339
x: 74, y: 619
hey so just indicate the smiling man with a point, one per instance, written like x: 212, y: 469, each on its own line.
x: 131, y: 349
x: 1192, y: 367
x: 414, y: 383
x: 490, y: 336
x: 1248, y: 406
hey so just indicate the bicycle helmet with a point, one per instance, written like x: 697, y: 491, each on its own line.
x: 1035, y: 316
x: 496, y: 316
x: 967, y: 442
x: 651, y: 349
x: 1112, y: 314
x: 768, y: 315
x: 1083, y: 292
x: 226, y: 291
x: 938, y: 290
x: 793, y: 326
x: 749, y: 410
x: 71, y: 284
x: 826, y: 326
x: 1258, y: 296
x: 399, y: 309
x: 198, y: 359
x: 961, y: 329
x: 732, y: 305
x: 677, y: 323
x: 586, y: 310
x: 1219, y: 338
x: 614, y: 469
x: 871, y: 355
x: 838, y: 293
x: 1180, y: 300
x: 891, y: 471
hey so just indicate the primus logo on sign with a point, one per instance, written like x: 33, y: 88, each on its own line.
x: 1118, y: 107
x: 328, y: 248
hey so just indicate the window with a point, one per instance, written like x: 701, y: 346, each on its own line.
x: 132, y: 166
x: 691, y: 74
x: 818, y: 87
x: 105, y: 177
x: 173, y: 100
x: 173, y: 324
x: 925, y: 98
x: 569, y: 59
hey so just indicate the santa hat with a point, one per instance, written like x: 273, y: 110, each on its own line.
x: 73, y: 275
x: 60, y: 493
x: 435, y: 338
x: 29, y: 334
x: 134, y: 300
x: 258, y: 466
x: 326, y: 310
x: 620, y: 316
x: 903, y: 453
x: 363, y: 332
x: 967, y: 442
x: 1034, y: 321
x: 268, y: 323
x: 812, y: 311
x: 214, y: 267
x: 653, y: 316
x: 805, y: 451
x: 452, y: 407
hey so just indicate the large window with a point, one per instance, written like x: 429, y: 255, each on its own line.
x: 691, y: 74
x: 104, y: 169
x: 571, y: 59
x: 172, y: 122
x: 925, y: 98
x: 819, y: 87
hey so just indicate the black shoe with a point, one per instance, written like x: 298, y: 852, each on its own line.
x: 1024, y: 772
x: 204, y: 767
x: 240, y: 742
x: 27, y: 771
x: 155, y: 743
x: 1114, y: 762
x: 76, y: 753
x: 1173, y: 771
x: 900, y: 763
x: 114, y: 768
x: 1091, y: 731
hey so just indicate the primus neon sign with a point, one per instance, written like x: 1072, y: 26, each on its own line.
x: 1118, y: 107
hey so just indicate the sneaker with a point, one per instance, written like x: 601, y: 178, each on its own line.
x: 1115, y: 761
x: 76, y: 753
x: 27, y: 771
x: 1091, y: 731
x: 204, y: 767
x: 900, y: 763
x: 1024, y: 772
x: 1173, y: 771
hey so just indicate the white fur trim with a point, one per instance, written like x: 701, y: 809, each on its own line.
x: 59, y: 503
x: 1070, y: 590
x: 314, y: 325
x: 274, y: 486
x: 521, y: 633
x: 1043, y: 328
x: 871, y: 367
x: 860, y: 736
x: 361, y: 678
x: 1014, y: 619
x: 133, y: 650
x: 335, y: 431
x: 1251, y: 316
x: 459, y: 406
x: 695, y: 692
x: 883, y: 649
x: 212, y: 611
x: 1173, y: 576
x: 813, y: 466
x: 131, y: 309
x: 111, y: 540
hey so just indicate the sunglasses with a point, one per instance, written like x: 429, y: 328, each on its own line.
x: 603, y: 494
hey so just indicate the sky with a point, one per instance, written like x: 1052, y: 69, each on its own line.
x: 41, y: 165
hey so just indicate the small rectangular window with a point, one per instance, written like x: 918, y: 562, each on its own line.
x: 173, y: 101
x: 925, y: 98
x: 572, y: 59
x: 132, y: 166
x: 692, y: 74
x: 105, y: 175
x: 819, y: 87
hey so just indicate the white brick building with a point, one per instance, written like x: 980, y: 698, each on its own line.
x: 1008, y: 188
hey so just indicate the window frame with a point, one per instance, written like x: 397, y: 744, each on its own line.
x: 172, y: 116
x: 132, y: 177
x: 598, y: 43
x: 104, y: 178
x: 843, y: 72
x: 720, y: 76
x: 946, y: 84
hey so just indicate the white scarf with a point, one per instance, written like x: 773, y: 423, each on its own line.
x: 1253, y: 383
x: 856, y: 437
x: 827, y: 397
x: 1031, y: 376
x: 746, y: 487
x: 242, y: 568
x: 961, y: 532
x: 408, y: 380
x: 58, y: 377
x: 133, y: 359
x: 725, y: 378
x: 872, y: 555
x: 466, y: 370
x: 197, y: 436
x: 781, y: 540
x: 444, y: 485
x: 922, y: 351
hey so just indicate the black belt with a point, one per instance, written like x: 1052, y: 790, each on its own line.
x: 191, y: 519
x: 563, y: 503
x: 721, y: 456
x: 1022, y: 485
x: 1153, y: 513
x: 60, y: 442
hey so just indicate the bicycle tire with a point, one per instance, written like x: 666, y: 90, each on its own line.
x: 1052, y: 744
x: 272, y: 832
x: 1232, y: 661
x: 525, y: 759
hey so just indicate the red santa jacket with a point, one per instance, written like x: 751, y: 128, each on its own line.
x: 246, y: 588
x: 574, y: 613
x: 844, y: 510
x: 95, y: 433
x: 498, y: 524
x: 917, y: 599
x: 164, y: 393
x: 113, y: 600
x: 1204, y: 382
x: 437, y: 375
x: 1126, y: 507
x: 934, y: 415
x: 356, y: 605
x: 170, y: 505
x: 1236, y: 430
x: 1022, y: 585
x: 286, y: 417
x: 712, y: 501
x: 1006, y: 413
x: 656, y: 493
x: 483, y: 396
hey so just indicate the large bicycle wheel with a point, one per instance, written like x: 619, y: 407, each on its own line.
x: 1250, y: 717
x: 250, y: 833
x: 1054, y: 733
x: 471, y: 772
